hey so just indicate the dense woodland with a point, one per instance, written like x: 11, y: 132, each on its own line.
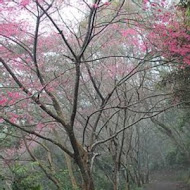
x: 93, y: 94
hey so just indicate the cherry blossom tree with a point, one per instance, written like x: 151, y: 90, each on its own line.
x: 86, y: 72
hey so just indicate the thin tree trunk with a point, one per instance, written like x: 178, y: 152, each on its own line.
x: 69, y: 166
x: 83, y: 163
x: 71, y: 175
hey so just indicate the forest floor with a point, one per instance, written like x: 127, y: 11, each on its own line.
x: 166, y: 180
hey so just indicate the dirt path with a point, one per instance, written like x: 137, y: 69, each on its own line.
x: 166, y: 186
x: 166, y: 180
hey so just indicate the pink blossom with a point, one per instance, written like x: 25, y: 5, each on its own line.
x: 153, y: 4
x: 145, y: 1
x: 95, y: 6
x: 3, y: 101
x: 9, y: 29
x: 10, y: 152
x: 127, y: 32
x: 40, y: 126
x: 13, y: 117
x: 107, y: 3
x: 14, y: 95
x: 24, y: 2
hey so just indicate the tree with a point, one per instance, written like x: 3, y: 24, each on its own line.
x: 88, y: 79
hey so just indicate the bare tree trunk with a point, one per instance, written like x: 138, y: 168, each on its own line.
x: 71, y: 175
x: 116, y: 178
x: 84, y: 166
x: 127, y: 186
x: 68, y: 162
x: 82, y: 159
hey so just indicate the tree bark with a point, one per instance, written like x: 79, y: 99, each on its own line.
x: 83, y: 162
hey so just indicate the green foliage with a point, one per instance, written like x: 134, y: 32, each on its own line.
x: 187, y: 6
x: 101, y: 182
x: 30, y: 177
x: 188, y: 12
x: 38, y: 187
x: 102, y: 170
x: 16, y: 187
x: 179, y: 81
x: 26, y: 177
x: 135, y: 187
x: 175, y: 157
x: 63, y: 176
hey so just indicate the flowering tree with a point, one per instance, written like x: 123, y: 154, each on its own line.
x: 77, y: 71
